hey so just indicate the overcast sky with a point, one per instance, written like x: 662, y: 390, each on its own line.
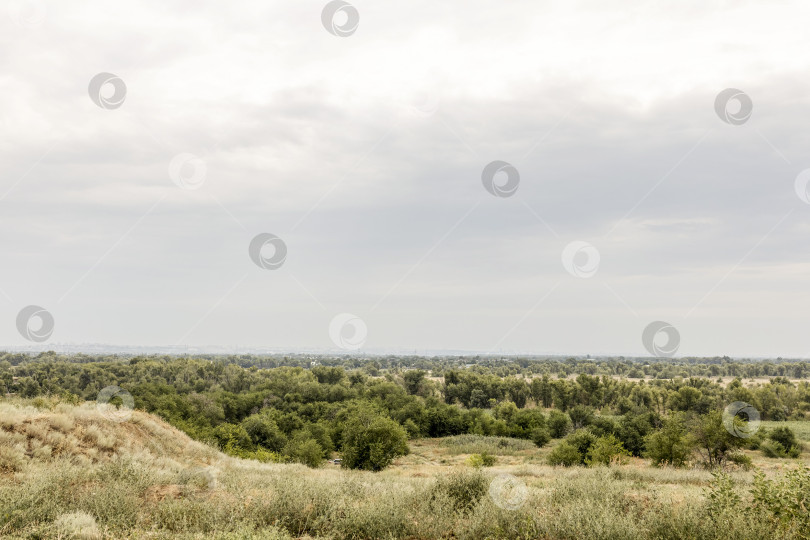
x: 364, y: 154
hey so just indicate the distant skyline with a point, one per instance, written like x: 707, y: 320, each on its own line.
x: 523, y: 177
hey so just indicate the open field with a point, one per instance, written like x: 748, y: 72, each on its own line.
x: 77, y: 472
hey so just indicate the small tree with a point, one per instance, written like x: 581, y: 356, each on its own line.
x: 372, y: 441
x: 565, y: 454
x: 413, y: 380
x: 605, y: 451
x: 303, y: 449
x: 558, y: 424
x: 714, y: 443
x: 671, y: 445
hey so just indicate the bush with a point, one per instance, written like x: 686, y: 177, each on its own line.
x: 558, y: 424
x: 774, y: 449
x: 605, y: 451
x: 481, y: 460
x: 671, y: 445
x: 582, y: 440
x: 785, y: 500
x: 372, y: 441
x: 540, y: 437
x: 565, y: 454
x: 78, y: 525
x: 741, y: 460
x: 303, y: 449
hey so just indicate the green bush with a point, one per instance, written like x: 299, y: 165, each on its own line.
x: 540, y: 437
x: 558, y: 424
x: 565, y: 454
x: 606, y: 451
x: 671, y: 445
x: 372, y: 441
x: 302, y: 449
x: 481, y: 460
x: 785, y: 501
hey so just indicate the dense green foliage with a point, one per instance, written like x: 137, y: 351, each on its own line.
x: 286, y: 409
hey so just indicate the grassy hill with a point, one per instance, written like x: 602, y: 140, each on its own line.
x: 70, y: 471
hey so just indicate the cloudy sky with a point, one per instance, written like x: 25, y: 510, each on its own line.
x: 364, y: 154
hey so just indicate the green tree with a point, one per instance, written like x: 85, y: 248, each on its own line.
x: 565, y: 454
x: 714, y: 443
x: 605, y: 451
x: 413, y: 380
x: 303, y: 449
x: 372, y: 441
x: 671, y: 445
x: 558, y: 424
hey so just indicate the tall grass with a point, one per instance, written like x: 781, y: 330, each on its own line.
x: 479, y: 444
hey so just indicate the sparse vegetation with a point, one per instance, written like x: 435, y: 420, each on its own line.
x: 420, y: 449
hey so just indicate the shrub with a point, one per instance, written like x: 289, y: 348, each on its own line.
x: 671, y: 445
x: 722, y: 495
x: 372, y: 441
x: 303, y: 449
x: 481, y: 460
x: 582, y: 440
x: 785, y: 500
x: 565, y: 454
x: 606, y: 450
x: 540, y: 437
x: 78, y: 525
x: 782, y: 444
x: 558, y: 424
x: 741, y: 460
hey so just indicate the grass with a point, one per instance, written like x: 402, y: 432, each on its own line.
x: 144, y: 479
x: 478, y: 444
x: 800, y: 428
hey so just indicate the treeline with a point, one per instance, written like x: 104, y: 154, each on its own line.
x: 633, y: 368
x: 367, y: 412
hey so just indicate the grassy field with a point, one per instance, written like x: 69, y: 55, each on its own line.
x: 76, y: 472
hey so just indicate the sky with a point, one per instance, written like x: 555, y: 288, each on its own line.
x: 350, y: 141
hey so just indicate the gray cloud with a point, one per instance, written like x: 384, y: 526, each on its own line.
x: 608, y: 116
